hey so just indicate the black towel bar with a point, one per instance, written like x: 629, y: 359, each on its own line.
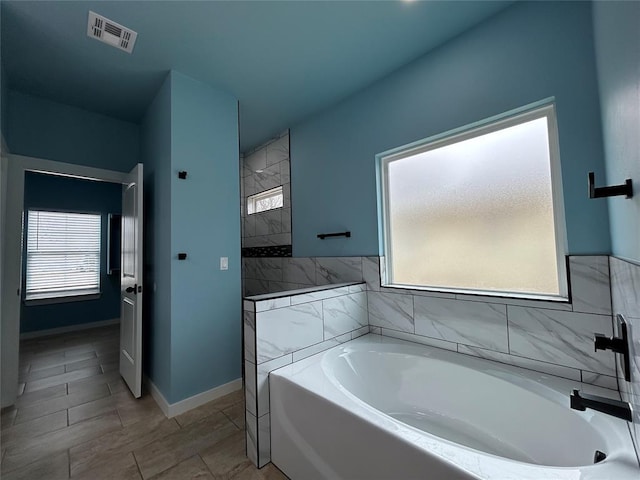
x: 322, y: 236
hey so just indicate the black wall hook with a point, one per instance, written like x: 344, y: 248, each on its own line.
x: 182, y: 175
x: 625, y: 189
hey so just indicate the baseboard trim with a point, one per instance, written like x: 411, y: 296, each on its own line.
x: 70, y: 328
x: 170, y: 410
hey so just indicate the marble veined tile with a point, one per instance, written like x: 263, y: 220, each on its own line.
x: 343, y: 314
x: 604, y: 381
x: 357, y: 333
x: 255, y: 287
x: 264, y: 440
x: 250, y: 388
x: 371, y: 272
x: 286, y: 220
x: 249, y: 226
x: 268, y: 178
x: 251, y: 423
x: 338, y: 269
x: 590, y: 288
x: 472, y: 323
x: 278, y: 150
x: 263, y: 381
x: 268, y: 223
x: 625, y: 292
x: 249, y: 320
x: 272, y: 304
x: 411, y: 337
x: 321, y: 347
x: 285, y: 171
x: 528, y: 363
x: 390, y: 310
x: 625, y: 282
x: 319, y: 295
x: 268, y: 268
x: 284, y: 330
x: 563, y: 338
x: 299, y: 270
x: 257, y: 160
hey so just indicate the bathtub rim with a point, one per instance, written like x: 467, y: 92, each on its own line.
x: 622, y: 453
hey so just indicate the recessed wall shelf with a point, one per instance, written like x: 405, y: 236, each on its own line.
x: 625, y: 189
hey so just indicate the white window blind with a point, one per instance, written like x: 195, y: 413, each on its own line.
x: 63, y: 254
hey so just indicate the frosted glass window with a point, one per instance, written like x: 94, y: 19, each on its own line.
x: 263, y: 201
x: 475, y: 211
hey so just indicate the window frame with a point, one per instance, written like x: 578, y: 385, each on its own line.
x: 543, y: 109
x: 256, y: 197
x: 67, y: 295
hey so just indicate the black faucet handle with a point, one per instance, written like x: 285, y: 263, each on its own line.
x: 575, y: 400
x: 601, y: 342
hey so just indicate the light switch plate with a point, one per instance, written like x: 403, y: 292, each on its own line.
x: 224, y: 263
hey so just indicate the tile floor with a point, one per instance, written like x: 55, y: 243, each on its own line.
x: 75, y: 418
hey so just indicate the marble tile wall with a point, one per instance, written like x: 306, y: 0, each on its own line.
x: 263, y: 169
x: 552, y: 337
x: 277, y: 274
x: 625, y: 292
x: 282, y: 330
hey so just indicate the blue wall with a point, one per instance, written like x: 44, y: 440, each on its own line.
x: 46, y: 192
x: 193, y: 310
x: 156, y: 156
x: 526, y: 53
x: 617, y: 37
x: 54, y: 131
x: 205, y: 222
x: 4, y: 94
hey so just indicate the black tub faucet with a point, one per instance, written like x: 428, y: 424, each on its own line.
x: 617, y: 345
x: 615, y: 408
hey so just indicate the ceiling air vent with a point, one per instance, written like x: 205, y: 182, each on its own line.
x: 110, y: 32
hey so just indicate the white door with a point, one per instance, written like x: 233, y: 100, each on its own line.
x: 131, y: 283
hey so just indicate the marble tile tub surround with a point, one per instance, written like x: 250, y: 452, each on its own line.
x: 547, y: 335
x: 265, y: 168
x: 276, y: 274
x: 281, y: 329
x: 552, y: 337
x: 625, y: 292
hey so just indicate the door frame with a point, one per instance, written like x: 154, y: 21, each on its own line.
x: 17, y: 166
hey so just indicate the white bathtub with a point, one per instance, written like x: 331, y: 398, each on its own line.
x: 379, y: 408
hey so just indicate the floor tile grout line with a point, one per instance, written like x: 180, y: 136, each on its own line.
x: 135, y: 459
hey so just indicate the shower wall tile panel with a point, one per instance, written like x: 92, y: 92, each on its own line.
x: 266, y: 168
x: 344, y: 314
x: 554, y: 338
x: 391, y: 310
x: 284, y: 330
x: 471, y: 323
x: 279, y: 331
x: 625, y: 293
x: 562, y: 338
x: 590, y: 285
x: 338, y: 269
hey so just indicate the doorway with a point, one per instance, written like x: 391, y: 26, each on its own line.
x: 13, y: 219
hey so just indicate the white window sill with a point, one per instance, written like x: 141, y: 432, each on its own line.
x: 47, y: 299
